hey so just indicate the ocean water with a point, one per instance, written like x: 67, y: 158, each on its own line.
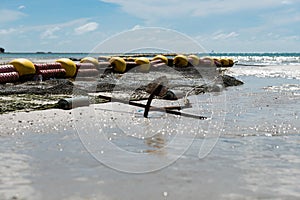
x: 37, y: 57
x: 250, y: 150
x: 242, y: 58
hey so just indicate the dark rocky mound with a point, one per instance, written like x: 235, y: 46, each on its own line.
x: 229, y: 81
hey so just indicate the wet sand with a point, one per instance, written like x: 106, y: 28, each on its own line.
x: 256, y: 155
x: 59, y: 167
x: 47, y: 121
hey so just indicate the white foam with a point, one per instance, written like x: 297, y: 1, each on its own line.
x: 281, y: 71
x: 268, y: 60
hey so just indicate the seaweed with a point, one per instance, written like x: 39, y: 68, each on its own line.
x: 31, y: 96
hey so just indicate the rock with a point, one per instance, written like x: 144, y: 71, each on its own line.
x: 2, y: 50
x: 60, y: 86
x: 229, y: 81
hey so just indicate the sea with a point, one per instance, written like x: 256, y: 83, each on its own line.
x: 250, y: 148
x: 249, y: 59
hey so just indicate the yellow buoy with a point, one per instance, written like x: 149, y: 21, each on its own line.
x: 162, y: 58
x: 207, y: 61
x: 130, y: 59
x: 231, y: 62
x: 181, y: 61
x: 217, y: 62
x: 91, y: 60
x: 23, y: 66
x: 194, y: 60
x: 119, y: 64
x: 144, y: 64
x: 224, y: 62
x: 68, y: 65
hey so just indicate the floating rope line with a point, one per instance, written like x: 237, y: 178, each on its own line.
x: 24, y: 70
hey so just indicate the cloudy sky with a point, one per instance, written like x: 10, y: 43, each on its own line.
x: 219, y: 25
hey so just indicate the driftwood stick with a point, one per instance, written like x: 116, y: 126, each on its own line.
x: 169, y: 110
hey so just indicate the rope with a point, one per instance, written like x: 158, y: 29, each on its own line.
x: 198, y: 90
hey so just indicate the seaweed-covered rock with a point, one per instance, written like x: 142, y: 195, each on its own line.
x: 47, y: 87
x: 229, y: 81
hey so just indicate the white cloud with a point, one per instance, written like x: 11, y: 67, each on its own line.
x: 145, y: 39
x: 137, y: 27
x: 273, y: 35
x: 47, y: 31
x: 216, y: 7
x: 7, y: 31
x: 283, y: 17
x: 154, y: 9
x: 287, y: 2
x: 224, y: 36
x: 10, y: 15
x: 177, y: 8
x: 22, y: 7
x: 50, y: 33
x: 63, y: 26
x: 292, y: 38
x: 92, y: 26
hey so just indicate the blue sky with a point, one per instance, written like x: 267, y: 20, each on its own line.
x: 219, y: 25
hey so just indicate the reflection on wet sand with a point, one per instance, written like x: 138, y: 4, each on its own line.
x: 156, y: 143
x: 13, y: 182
